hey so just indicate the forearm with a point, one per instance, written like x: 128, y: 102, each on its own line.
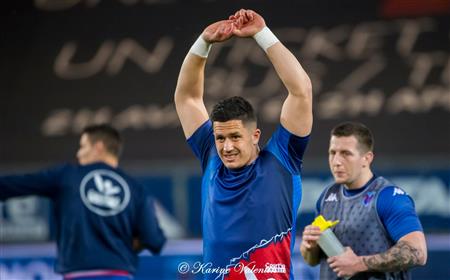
x: 401, y: 256
x: 311, y: 256
x: 24, y: 185
x: 290, y: 71
x: 191, y: 78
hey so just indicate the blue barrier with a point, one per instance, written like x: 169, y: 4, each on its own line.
x: 181, y: 259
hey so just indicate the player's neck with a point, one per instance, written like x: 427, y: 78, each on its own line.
x: 361, y: 181
x: 255, y: 155
x: 110, y: 160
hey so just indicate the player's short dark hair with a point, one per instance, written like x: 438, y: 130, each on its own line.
x: 107, y: 134
x: 360, y: 131
x: 233, y: 108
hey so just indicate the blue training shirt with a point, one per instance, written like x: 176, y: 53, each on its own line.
x: 98, y: 210
x: 249, y: 214
x: 394, y: 207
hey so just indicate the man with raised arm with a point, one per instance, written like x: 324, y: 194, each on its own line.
x: 250, y: 196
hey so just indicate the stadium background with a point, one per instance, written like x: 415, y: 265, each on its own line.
x: 67, y: 63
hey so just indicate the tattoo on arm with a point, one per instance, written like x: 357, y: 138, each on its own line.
x: 399, y: 257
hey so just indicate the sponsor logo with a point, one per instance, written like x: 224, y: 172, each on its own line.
x: 331, y: 197
x: 104, y: 192
x: 275, y: 268
x: 398, y: 191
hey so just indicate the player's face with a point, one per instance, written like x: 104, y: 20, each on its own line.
x: 347, y: 162
x: 87, y: 152
x: 236, y: 143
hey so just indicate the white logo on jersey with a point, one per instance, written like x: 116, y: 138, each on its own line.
x: 275, y: 268
x: 104, y: 192
x: 397, y: 191
x: 331, y: 197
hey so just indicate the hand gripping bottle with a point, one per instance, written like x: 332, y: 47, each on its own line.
x: 328, y: 242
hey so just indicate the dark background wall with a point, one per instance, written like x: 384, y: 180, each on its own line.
x: 68, y: 63
x: 65, y: 64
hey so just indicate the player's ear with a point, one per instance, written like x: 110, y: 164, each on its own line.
x: 100, y: 147
x: 368, y: 157
x: 256, y: 136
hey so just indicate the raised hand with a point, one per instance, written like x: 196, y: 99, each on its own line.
x: 219, y: 31
x: 247, y: 23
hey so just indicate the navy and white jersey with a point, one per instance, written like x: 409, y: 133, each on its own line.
x: 98, y: 210
x: 249, y: 214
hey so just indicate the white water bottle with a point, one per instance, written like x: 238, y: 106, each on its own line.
x: 328, y: 242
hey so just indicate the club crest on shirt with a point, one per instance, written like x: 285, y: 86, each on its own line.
x: 368, y: 198
x: 104, y: 192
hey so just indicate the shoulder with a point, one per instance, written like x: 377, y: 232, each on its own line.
x: 132, y: 180
x: 287, y: 148
x: 281, y: 134
x: 60, y: 170
x: 205, y: 130
x: 64, y: 167
x: 329, y: 194
x: 393, y: 192
x: 392, y: 199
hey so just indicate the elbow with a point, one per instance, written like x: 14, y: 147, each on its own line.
x: 309, y: 260
x: 179, y: 98
x: 303, y: 89
x: 310, y: 257
x: 312, y: 262
x: 157, y: 248
x: 421, y: 255
x: 423, y: 258
x: 176, y: 98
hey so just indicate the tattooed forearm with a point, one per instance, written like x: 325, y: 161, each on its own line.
x: 399, y: 257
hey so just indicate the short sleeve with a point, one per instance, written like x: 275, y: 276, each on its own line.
x: 202, y: 143
x: 397, y: 212
x: 288, y: 148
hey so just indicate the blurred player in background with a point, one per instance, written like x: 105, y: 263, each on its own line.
x: 377, y: 219
x: 103, y: 216
x: 250, y: 196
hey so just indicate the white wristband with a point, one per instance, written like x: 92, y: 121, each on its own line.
x: 200, y: 47
x: 265, y: 38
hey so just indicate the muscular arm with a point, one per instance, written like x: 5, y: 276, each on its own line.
x: 189, y: 94
x: 296, y: 113
x: 409, y: 251
x: 189, y: 91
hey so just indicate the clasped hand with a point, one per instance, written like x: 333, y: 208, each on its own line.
x: 244, y: 23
